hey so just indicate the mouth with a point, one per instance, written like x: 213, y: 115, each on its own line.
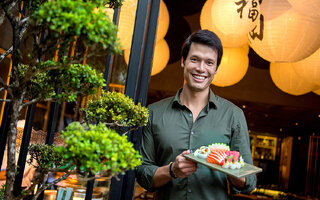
x: 198, y: 77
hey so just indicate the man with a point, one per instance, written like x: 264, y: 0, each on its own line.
x: 193, y: 118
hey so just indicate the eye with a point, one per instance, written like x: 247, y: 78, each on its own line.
x: 210, y: 63
x: 193, y: 59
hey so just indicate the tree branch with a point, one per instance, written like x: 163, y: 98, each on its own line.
x: 8, y: 11
x: 43, y: 187
x: 119, y: 125
x: 24, y: 23
x: 4, y: 86
x: 38, y: 177
x: 5, y: 54
x: 37, y: 100
x: 131, y: 129
x: 5, y: 100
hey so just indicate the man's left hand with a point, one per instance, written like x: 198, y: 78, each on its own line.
x: 238, y: 182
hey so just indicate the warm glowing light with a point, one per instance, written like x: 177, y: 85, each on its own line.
x: 20, y: 124
x: 126, y: 22
x: 207, y: 22
x: 309, y: 68
x: 316, y: 91
x: 278, y: 39
x: 161, y: 56
x: 287, y: 80
x: 233, y: 66
x: 163, y: 21
x: 235, y: 17
x: 127, y: 17
x: 307, y: 7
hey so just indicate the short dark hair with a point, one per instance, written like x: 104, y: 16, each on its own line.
x: 205, y: 37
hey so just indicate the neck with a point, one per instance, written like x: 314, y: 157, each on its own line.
x: 194, y: 99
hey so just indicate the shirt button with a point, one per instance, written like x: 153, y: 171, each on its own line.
x: 190, y: 114
x: 189, y: 190
x: 192, y: 132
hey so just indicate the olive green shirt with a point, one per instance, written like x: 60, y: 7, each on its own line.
x: 170, y: 131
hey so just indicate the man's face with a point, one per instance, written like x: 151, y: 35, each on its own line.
x: 199, y: 67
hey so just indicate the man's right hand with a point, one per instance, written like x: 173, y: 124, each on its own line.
x: 183, y: 167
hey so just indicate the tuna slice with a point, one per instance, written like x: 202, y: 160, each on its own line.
x: 233, y: 154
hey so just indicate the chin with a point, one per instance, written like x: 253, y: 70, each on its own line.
x: 198, y: 88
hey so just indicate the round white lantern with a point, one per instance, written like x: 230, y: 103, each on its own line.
x: 206, y: 22
x: 161, y: 56
x: 235, y: 17
x: 307, y: 7
x: 309, y: 68
x: 287, y: 80
x: 233, y: 66
x: 284, y: 35
x: 127, y: 17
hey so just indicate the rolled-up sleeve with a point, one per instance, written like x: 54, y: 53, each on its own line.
x: 146, y: 171
x: 241, y: 142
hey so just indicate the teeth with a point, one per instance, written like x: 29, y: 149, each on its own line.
x: 199, y: 77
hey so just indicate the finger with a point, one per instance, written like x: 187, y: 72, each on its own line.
x: 185, y: 152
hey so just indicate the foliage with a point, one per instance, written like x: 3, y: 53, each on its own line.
x: 69, y: 18
x: 49, y: 30
x: 72, y: 79
x: 3, y: 186
x: 46, y: 157
x: 116, y: 109
x: 104, y: 149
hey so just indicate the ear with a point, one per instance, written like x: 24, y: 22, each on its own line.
x: 182, y: 62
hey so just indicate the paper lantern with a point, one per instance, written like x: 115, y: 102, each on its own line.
x: 163, y: 21
x: 235, y: 17
x: 284, y: 35
x: 127, y: 20
x: 307, y: 7
x: 286, y: 79
x: 161, y: 56
x: 206, y: 22
x: 309, y: 68
x: 316, y: 92
x: 233, y: 66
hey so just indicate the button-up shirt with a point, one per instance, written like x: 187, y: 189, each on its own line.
x: 171, y: 130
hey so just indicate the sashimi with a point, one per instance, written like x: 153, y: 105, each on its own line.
x: 216, y: 157
x: 234, y: 154
x: 220, y: 154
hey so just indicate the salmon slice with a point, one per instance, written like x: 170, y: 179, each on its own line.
x: 216, y: 157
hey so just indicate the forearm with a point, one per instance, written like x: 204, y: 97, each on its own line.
x: 161, y: 176
x: 237, y: 182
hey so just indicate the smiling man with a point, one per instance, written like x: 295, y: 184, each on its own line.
x: 194, y: 117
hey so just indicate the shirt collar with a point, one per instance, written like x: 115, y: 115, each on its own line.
x: 211, y: 104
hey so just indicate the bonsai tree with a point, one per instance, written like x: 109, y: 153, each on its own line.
x: 44, y: 73
x: 91, y: 148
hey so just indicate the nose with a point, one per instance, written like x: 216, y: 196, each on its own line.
x: 201, y: 66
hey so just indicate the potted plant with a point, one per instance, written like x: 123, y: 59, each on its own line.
x: 94, y: 145
x: 42, y: 72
